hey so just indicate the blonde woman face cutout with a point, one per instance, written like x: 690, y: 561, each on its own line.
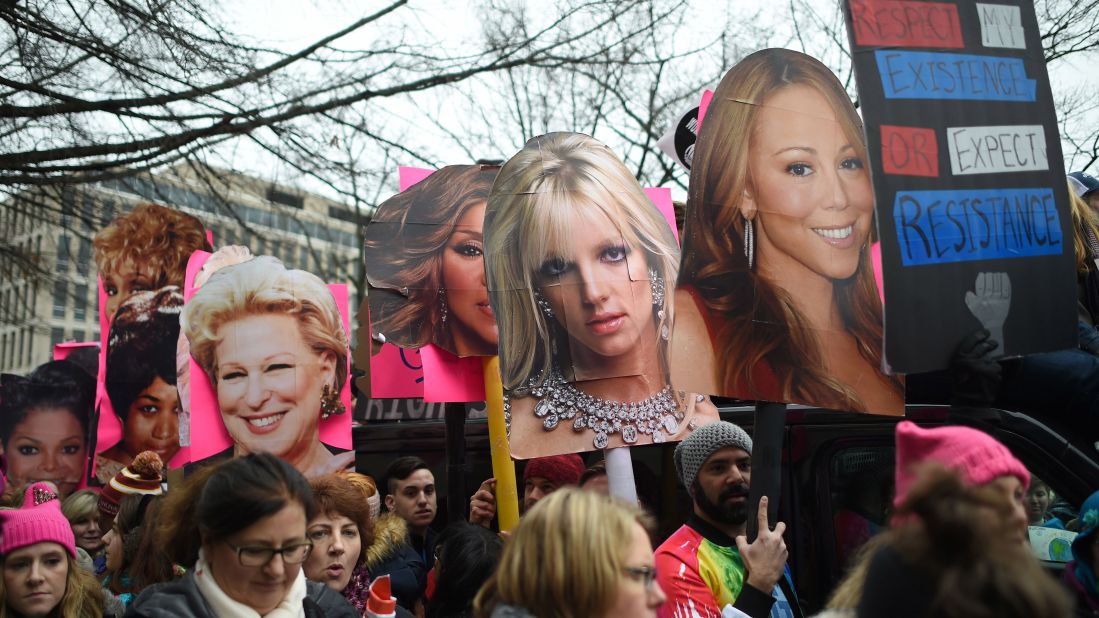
x: 599, y: 291
x: 269, y: 384
x: 809, y: 194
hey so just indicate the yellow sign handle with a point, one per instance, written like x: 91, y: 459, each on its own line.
x: 507, y: 496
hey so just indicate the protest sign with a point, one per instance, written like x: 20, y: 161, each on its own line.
x: 973, y: 211
x: 580, y: 266
x: 277, y: 340
x: 423, y: 251
x: 776, y: 298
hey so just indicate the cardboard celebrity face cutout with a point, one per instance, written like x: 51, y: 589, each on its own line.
x: 44, y: 426
x: 270, y: 371
x: 424, y: 261
x: 140, y: 411
x: 776, y: 298
x: 580, y: 264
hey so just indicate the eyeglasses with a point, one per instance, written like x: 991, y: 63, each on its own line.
x: 260, y: 556
x: 645, y: 574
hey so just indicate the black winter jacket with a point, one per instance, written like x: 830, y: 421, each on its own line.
x: 182, y: 599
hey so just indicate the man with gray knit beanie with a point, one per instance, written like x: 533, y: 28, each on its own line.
x: 708, y: 568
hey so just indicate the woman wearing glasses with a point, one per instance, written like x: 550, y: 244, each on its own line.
x: 240, y: 529
x: 576, y: 554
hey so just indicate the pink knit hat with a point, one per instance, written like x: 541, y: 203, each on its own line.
x: 973, y: 453
x: 38, y: 520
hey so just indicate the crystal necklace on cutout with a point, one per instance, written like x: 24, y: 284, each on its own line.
x: 559, y: 400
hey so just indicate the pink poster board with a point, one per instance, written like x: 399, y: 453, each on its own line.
x: 396, y: 373
x: 450, y: 378
x: 703, y: 105
x: 408, y: 176
x: 61, y: 351
x: 662, y: 197
x: 429, y: 372
x: 208, y: 434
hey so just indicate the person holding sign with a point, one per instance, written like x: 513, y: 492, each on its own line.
x: 776, y: 298
x: 424, y: 252
x: 273, y: 344
x: 578, y: 260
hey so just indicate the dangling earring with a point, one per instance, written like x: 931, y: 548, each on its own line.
x: 330, y: 402
x: 749, y: 243
x: 656, y: 283
x: 543, y: 305
x: 442, y: 305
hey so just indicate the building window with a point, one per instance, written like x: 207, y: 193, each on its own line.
x: 62, y: 254
x: 80, y: 303
x: 67, y: 208
x: 78, y: 335
x: 287, y: 199
x: 57, y: 335
x: 28, y: 348
x: 84, y: 257
x: 60, y: 291
x: 108, y: 212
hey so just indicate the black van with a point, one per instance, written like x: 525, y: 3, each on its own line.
x: 834, y: 464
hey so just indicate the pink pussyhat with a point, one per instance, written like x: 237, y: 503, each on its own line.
x: 381, y: 603
x: 39, y: 520
x: 974, y: 454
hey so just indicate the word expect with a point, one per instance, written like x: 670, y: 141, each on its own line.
x: 996, y: 150
x: 938, y: 227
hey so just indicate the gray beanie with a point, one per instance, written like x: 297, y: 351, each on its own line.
x: 692, y: 452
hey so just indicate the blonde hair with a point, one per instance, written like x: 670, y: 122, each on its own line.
x: 536, y: 201
x: 158, y: 238
x: 81, y: 505
x: 83, y: 595
x: 1084, y: 219
x: 264, y: 286
x: 576, y: 539
x: 758, y: 322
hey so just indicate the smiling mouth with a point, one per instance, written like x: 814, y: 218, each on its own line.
x: 486, y: 309
x: 837, y: 233
x: 264, y: 423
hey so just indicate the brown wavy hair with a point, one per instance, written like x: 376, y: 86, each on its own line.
x: 758, y: 324
x: 403, y: 249
x: 335, y: 494
x: 160, y: 239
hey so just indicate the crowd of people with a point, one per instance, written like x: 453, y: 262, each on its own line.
x: 252, y: 536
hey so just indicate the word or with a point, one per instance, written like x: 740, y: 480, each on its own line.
x: 909, y: 151
x: 938, y: 227
x: 997, y: 150
x: 1001, y: 26
x: 906, y: 24
x: 931, y: 75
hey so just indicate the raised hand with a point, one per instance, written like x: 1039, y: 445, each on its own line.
x: 482, y: 505
x: 765, y: 558
x: 991, y: 303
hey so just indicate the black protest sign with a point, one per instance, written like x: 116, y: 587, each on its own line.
x: 972, y: 205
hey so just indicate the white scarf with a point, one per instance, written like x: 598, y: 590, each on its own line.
x: 225, y: 607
